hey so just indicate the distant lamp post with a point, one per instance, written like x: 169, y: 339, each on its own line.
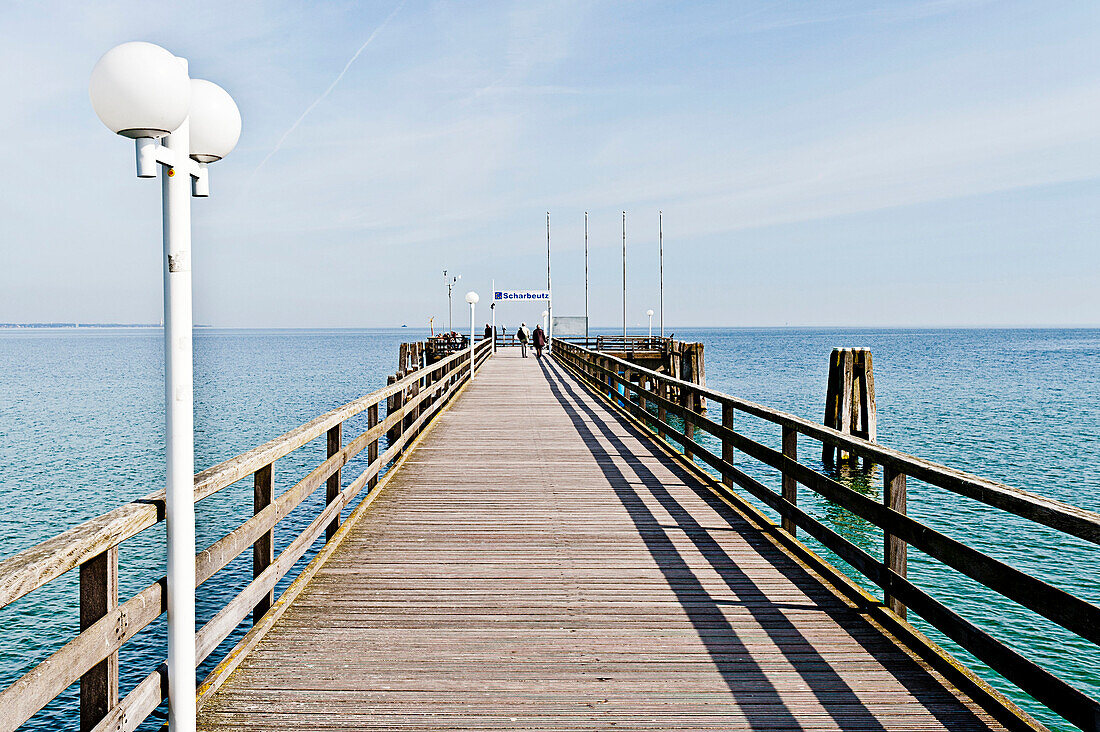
x: 545, y: 319
x: 143, y: 92
x: 650, y: 314
x: 472, y: 298
x: 450, y: 283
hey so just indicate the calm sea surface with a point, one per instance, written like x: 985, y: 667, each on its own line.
x: 81, y: 431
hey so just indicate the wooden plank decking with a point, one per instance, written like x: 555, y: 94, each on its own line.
x: 537, y: 563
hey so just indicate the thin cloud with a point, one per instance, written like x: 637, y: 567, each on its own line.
x: 326, y: 92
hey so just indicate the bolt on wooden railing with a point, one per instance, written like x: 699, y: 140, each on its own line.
x: 616, y: 379
x: 105, y: 625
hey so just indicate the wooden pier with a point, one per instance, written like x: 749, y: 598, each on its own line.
x: 538, y: 563
x: 539, y: 555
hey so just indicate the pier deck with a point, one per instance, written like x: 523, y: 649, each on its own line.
x: 538, y: 563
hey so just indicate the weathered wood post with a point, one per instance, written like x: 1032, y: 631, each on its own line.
x: 372, y: 448
x: 98, y: 596
x: 687, y: 400
x: 894, y: 549
x: 727, y: 445
x: 850, y: 399
x: 699, y: 370
x: 263, y: 550
x: 410, y: 393
x: 393, y: 403
x: 790, y: 485
x: 335, y: 440
x: 662, y: 411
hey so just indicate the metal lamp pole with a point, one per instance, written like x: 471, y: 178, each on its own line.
x: 142, y: 91
x: 472, y: 298
x: 661, y: 255
x: 624, y: 275
x: 493, y: 311
x: 550, y: 303
x: 650, y: 314
x: 586, y: 278
x: 450, y: 286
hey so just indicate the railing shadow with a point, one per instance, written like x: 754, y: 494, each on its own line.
x: 745, y: 678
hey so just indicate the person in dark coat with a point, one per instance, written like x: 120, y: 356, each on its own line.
x: 521, y: 335
x: 488, y: 331
x: 538, y: 338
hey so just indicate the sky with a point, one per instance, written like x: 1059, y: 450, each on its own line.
x: 820, y: 163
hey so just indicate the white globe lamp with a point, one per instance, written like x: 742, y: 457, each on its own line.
x: 215, y: 122
x: 140, y: 90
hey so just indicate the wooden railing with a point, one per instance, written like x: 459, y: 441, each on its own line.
x: 619, y: 343
x: 643, y: 394
x: 105, y: 625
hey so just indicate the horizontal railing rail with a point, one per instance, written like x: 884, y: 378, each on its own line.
x: 619, y: 343
x: 92, y: 655
x: 647, y: 396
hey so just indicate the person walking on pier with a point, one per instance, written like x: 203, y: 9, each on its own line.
x: 538, y: 338
x: 522, y: 334
x: 488, y: 331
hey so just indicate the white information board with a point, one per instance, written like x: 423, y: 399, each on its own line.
x: 570, y: 326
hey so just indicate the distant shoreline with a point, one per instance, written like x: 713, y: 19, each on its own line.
x: 19, y: 326
x: 596, y: 330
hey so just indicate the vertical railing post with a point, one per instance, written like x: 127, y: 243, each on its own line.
x: 727, y: 445
x: 687, y: 398
x: 894, y: 549
x: 790, y: 485
x: 332, y: 489
x: 263, y: 551
x: 372, y: 447
x: 391, y: 407
x: 98, y: 596
x: 394, y: 406
x: 662, y: 412
x: 413, y: 391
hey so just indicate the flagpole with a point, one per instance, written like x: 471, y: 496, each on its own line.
x: 549, y: 289
x: 585, y: 278
x: 624, y: 275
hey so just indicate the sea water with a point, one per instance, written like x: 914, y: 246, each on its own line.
x: 81, y: 432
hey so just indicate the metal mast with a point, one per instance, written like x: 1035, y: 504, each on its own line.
x: 624, y: 275
x: 550, y: 302
x: 586, y: 277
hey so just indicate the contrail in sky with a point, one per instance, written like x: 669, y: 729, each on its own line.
x: 331, y: 86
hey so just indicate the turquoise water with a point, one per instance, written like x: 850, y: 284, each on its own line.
x: 81, y: 432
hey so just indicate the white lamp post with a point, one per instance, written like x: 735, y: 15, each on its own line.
x: 450, y: 283
x: 545, y: 319
x: 650, y: 314
x: 142, y: 91
x: 472, y: 298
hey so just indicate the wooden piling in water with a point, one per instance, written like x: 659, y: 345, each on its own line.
x: 850, y: 399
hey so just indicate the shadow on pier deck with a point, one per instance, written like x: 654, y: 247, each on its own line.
x: 538, y: 562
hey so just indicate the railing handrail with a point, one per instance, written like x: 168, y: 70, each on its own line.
x: 609, y: 374
x: 100, y: 537
x: 1065, y: 517
x: 37, y: 565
